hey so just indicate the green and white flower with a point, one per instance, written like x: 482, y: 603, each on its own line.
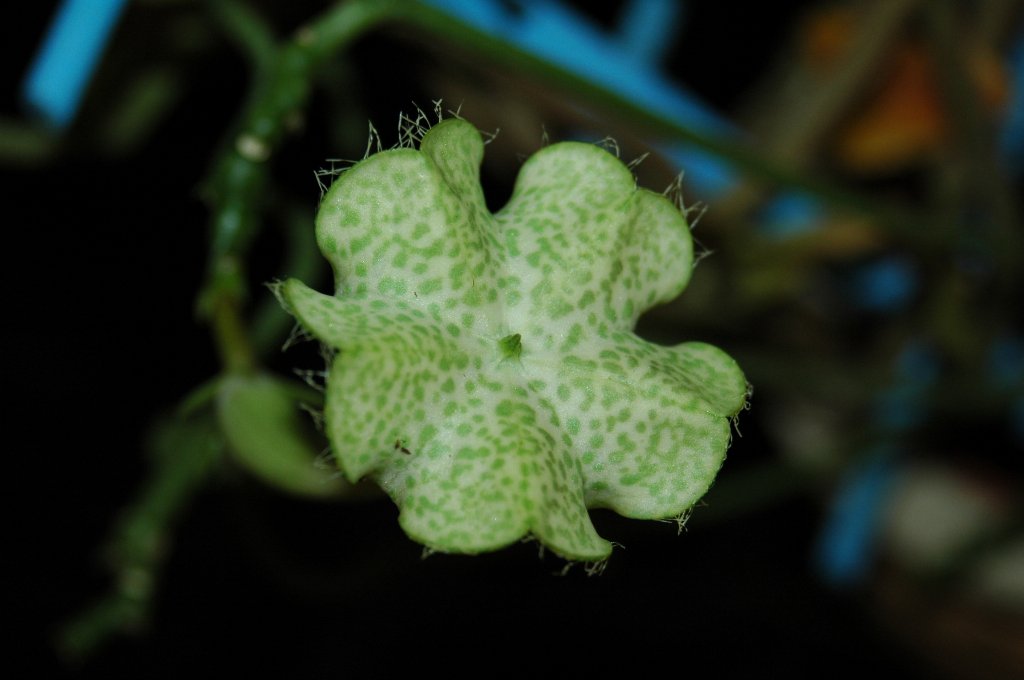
x: 487, y: 375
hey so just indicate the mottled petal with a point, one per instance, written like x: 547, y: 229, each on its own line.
x: 489, y: 473
x: 586, y: 246
x: 648, y: 430
x: 402, y: 225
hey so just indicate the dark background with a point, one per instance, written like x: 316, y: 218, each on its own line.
x: 104, y: 255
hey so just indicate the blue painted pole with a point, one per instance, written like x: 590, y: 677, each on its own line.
x: 58, y: 76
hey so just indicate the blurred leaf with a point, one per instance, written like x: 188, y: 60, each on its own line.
x: 259, y: 416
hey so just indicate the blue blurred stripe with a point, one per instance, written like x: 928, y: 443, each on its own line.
x: 646, y: 28
x: 846, y: 549
x: 1011, y: 140
x: 70, y: 51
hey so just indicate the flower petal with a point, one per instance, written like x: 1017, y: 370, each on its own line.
x: 648, y: 430
x: 489, y: 474
x: 407, y: 224
x: 586, y: 246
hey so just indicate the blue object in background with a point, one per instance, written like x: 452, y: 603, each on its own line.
x: 646, y: 28
x: 1006, y: 373
x: 790, y: 215
x: 904, y: 404
x: 622, y: 63
x: 57, y: 79
x: 1011, y: 139
x: 1006, y: 363
x: 887, y: 284
x: 845, y: 551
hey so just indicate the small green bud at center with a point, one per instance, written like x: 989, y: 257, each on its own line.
x: 511, y: 346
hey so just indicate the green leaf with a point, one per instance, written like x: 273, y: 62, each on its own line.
x: 260, y: 419
x: 487, y: 375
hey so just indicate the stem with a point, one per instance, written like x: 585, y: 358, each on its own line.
x: 185, y: 453
x: 977, y: 168
x: 248, y: 30
x: 235, y: 188
x: 22, y: 144
x: 269, y: 322
x: 900, y: 220
x: 799, y: 132
x: 229, y: 334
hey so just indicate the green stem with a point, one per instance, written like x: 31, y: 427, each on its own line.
x: 975, y: 163
x: 801, y: 127
x: 248, y: 30
x: 236, y: 186
x: 233, y: 345
x: 22, y: 144
x: 186, y: 452
x: 269, y: 322
x: 901, y: 221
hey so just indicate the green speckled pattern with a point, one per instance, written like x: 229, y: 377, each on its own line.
x: 481, y: 437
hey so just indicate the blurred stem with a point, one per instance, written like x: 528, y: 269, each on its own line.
x: 820, y: 103
x: 248, y: 30
x: 275, y: 109
x: 235, y: 187
x: 233, y: 346
x: 977, y: 170
x: 185, y: 453
x: 24, y: 144
x: 900, y: 220
x: 270, y: 322
x: 804, y: 103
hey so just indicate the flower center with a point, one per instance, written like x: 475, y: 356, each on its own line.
x: 511, y: 346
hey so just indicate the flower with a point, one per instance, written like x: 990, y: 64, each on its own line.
x: 486, y: 375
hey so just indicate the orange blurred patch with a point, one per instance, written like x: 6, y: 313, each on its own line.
x: 903, y: 120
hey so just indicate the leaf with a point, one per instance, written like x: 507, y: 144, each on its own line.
x: 261, y: 422
x: 487, y: 376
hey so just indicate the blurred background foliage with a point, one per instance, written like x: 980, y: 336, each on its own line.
x: 857, y: 167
